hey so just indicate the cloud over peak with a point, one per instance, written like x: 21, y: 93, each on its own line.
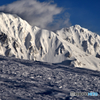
x: 36, y: 13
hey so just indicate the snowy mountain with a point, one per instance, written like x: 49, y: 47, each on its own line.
x: 74, y: 46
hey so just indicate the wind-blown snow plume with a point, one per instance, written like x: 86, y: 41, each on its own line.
x: 35, y: 12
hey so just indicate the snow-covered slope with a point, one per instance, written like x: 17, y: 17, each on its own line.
x: 84, y: 39
x: 74, y: 46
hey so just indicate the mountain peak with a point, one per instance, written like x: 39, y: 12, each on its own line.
x: 73, y: 46
x: 77, y: 26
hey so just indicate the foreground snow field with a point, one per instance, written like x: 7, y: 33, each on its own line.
x: 29, y: 80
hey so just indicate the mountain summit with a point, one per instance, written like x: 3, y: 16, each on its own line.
x: 74, y: 46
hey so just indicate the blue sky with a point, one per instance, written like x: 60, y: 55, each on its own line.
x: 83, y: 12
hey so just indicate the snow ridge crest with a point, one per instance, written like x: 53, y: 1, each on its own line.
x: 73, y: 46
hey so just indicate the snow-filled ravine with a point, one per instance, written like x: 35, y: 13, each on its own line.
x: 34, y: 80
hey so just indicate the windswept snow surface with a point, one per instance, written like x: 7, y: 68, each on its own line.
x: 34, y: 80
x: 74, y: 46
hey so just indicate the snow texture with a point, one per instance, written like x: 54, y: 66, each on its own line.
x: 35, y: 80
x: 74, y: 46
x: 37, y: 64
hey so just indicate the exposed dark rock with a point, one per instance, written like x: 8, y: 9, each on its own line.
x: 81, y: 30
x: 15, y: 45
x: 98, y: 55
x: 90, y: 40
x: 68, y: 54
x: 84, y: 45
x: 21, y: 50
x: 3, y: 37
x: 60, y: 49
x: 27, y: 41
x: 96, y: 45
x: 7, y: 52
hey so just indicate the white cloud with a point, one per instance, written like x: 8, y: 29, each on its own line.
x: 60, y: 21
x: 35, y: 12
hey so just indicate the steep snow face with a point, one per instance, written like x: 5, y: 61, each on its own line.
x: 84, y: 39
x: 74, y: 46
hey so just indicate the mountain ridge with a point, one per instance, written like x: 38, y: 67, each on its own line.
x: 74, y: 46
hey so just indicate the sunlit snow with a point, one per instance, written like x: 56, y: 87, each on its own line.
x: 74, y: 46
x: 37, y: 64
